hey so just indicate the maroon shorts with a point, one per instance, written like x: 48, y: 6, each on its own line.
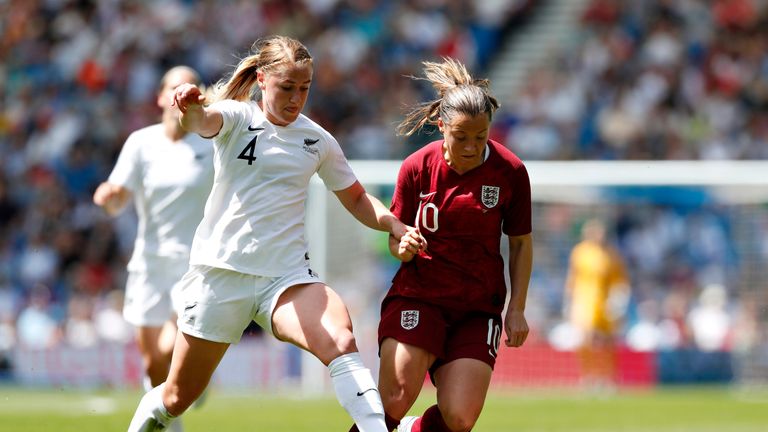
x: 448, y: 334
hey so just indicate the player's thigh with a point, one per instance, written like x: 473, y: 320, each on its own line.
x: 462, y: 386
x: 313, y: 317
x: 402, y: 370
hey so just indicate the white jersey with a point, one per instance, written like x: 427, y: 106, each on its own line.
x: 170, y: 182
x: 254, y: 217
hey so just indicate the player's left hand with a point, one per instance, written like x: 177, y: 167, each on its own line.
x: 516, y: 327
x: 411, y: 244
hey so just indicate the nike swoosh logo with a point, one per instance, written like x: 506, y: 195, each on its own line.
x: 366, y: 391
x: 254, y: 128
x: 423, y: 195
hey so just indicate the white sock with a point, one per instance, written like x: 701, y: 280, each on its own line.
x: 151, y: 414
x: 357, y: 392
x: 146, y: 383
x: 175, y: 426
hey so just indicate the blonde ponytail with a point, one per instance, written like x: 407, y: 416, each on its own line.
x: 267, y: 55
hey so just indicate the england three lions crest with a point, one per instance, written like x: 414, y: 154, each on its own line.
x: 409, y: 319
x: 490, y: 196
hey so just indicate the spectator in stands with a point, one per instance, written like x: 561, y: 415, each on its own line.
x: 37, y: 326
x: 249, y: 257
x: 442, y: 314
x: 79, y: 328
x: 596, y: 295
x: 108, y: 318
x: 710, y: 320
x: 691, y: 71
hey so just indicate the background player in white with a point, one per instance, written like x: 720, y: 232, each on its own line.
x: 168, y: 172
x: 249, y: 257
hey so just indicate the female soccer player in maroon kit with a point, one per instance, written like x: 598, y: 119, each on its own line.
x: 442, y: 314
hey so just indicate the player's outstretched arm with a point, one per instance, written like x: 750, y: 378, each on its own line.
x: 369, y: 210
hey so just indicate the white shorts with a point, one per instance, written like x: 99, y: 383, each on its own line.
x: 219, y: 304
x: 152, y: 295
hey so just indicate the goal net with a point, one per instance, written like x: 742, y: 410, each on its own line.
x: 685, y: 229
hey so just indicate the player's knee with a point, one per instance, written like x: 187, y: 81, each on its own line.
x: 459, y: 422
x: 333, y: 344
x: 395, y: 405
x: 398, y: 398
x: 344, y: 341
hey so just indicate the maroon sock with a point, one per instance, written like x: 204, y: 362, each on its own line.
x: 430, y: 421
x: 390, y: 421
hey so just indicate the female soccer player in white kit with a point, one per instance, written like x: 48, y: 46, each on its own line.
x: 249, y: 256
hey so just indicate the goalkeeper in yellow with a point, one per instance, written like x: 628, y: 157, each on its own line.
x: 596, y: 295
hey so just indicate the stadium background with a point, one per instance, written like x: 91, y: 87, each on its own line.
x: 578, y: 80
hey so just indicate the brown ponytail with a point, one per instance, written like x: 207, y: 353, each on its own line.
x: 458, y: 93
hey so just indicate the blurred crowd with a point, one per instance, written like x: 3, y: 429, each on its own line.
x: 650, y: 79
x: 646, y: 79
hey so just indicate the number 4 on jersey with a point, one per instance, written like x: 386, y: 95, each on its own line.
x: 248, y: 151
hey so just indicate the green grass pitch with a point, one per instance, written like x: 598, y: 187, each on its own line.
x: 661, y: 410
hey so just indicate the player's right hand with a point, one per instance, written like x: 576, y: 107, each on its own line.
x: 186, y: 96
x: 104, y: 193
x: 111, y: 197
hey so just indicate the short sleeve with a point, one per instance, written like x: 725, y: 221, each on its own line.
x: 517, y: 218
x: 234, y: 114
x: 334, y: 168
x: 403, y: 205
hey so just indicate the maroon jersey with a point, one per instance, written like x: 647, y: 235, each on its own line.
x: 462, y: 216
